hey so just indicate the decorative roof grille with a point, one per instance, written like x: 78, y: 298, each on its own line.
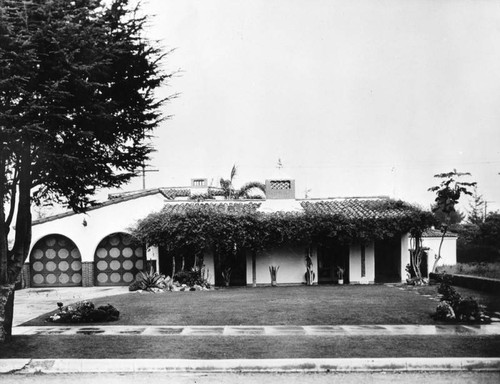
x: 280, y: 184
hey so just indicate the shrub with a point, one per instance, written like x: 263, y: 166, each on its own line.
x: 454, y: 307
x: 84, y: 312
x: 191, y: 278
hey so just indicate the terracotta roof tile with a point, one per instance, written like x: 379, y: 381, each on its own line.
x: 220, y: 207
x: 359, y: 208
x: 431, y: 232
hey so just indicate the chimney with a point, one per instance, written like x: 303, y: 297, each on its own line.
x: 199, y: 183
x: 280, y: 189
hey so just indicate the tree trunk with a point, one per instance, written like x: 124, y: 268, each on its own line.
x: 6, y: 311
x: 438, y: 257
x: 19, y: 252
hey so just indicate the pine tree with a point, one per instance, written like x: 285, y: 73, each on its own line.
x: 476, y: 209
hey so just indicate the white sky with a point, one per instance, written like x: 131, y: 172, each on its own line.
x: 357, y: 97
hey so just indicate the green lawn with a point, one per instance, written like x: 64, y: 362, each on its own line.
x: 239, y: 347
x: 296, y: 305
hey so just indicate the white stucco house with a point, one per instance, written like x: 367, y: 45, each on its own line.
x: 94, y: 248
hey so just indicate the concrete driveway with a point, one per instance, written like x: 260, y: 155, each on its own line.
x: 33, y: 302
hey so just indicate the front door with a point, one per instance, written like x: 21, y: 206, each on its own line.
x: 329, y: 258
x: 388, y: 261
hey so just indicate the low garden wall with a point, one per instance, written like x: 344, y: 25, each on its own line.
x: 473, y: 282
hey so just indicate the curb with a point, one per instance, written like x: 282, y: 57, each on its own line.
x: 51, y: 366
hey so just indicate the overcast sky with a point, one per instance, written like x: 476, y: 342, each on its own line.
x: 356, y: 97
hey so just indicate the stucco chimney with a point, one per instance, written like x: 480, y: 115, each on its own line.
x: 280, y: 189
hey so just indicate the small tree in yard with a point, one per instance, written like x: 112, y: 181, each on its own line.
x: 448, y: 193
x: 76, y: 89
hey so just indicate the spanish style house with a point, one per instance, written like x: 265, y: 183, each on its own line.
x: 95, y: 248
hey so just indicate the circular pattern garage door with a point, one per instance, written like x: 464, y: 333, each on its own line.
x: 55, y: 262
x: 117, y: 260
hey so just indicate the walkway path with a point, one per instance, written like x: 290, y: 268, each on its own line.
x: 285, y: 330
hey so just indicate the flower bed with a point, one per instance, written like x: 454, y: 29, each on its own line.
x: 84, y: 312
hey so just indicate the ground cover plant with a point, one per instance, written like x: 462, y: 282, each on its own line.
x: 296, y: 305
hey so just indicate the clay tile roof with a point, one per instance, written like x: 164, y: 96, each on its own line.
x: 359, y: 208
x: 220, y: 207
x: 431, y: 232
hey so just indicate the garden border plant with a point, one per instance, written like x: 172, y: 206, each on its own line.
x: 454, y: 307
x: 84, y: 312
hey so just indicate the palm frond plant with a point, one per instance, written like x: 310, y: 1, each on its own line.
x: 309, y: 268
x: 340, y: 274
x: 273, y: 271
x: 226, y: 275
x: 245, y: 192
x: 227, y: 184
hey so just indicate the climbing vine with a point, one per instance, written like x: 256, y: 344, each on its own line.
x: 202, y: 227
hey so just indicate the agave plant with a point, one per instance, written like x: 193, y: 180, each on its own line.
x: 147, y: 281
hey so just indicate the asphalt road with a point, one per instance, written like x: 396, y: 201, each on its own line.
x: 260, y: 378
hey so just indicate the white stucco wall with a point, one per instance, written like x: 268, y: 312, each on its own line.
x: 208, y: 261
x: 355, y: 264
x: 448, y: 251
x: 405, y: 255
x: 292, y: 263
x: 101, y: 222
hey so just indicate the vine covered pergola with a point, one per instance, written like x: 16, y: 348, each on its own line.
x: 224, y: 227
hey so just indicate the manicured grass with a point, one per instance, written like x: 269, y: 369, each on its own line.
x: 238, y: 347
x: 296, y: 305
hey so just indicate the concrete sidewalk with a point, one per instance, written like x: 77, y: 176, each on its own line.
x: 48, y: 366
x: 261, y: 331
x: 33, y: 302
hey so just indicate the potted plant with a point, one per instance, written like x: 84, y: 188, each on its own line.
x: 273, y: 270
x: 340, y: 274
x: 226, y: 275
x: 309, y: 270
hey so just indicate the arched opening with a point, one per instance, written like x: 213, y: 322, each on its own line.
x: 117, y: 260
x: 55, y: 261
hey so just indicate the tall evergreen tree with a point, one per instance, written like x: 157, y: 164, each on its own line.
x: 476, y: 209
x: 77, y: 83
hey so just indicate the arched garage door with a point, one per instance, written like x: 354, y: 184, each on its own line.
x: 117, y: 260
x: 55, y: 261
